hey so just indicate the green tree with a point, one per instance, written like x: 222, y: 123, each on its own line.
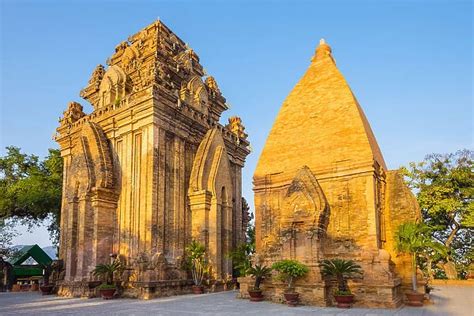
x: 444, y: 187
x: 7, y: 233
x: 250, y: 236
x: 30, y: 189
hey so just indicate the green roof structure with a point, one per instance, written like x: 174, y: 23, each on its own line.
x: 35, y: 252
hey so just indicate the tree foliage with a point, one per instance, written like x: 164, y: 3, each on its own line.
x: 30, y: 189
x: 107, y: 270
x: 415, y: 239
x: 242, y: 255
x: 241, y: 258
x: 444, y: 187
x: 259, y: 272
x: 196, y: 256
x: 289, y: 270
x: 412, y: 238
x: 7, y: 233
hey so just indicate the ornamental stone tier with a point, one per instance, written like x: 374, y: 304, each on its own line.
x: 150, y: 169
x: 322, y: 191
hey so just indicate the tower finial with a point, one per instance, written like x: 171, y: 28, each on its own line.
x: 322, y: 50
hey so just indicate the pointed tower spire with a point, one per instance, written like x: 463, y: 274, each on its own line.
x: 320, y: 125
x: 322, y: 51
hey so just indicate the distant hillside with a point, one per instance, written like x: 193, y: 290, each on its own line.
x: 50, y: 250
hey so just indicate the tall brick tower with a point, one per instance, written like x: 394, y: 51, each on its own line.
x: 150, y: 169
x: 322, y: 189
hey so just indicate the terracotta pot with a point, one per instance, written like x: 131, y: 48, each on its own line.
x: 46, y: 289
x: 291, y: 298
x: 198, y: 289
x: 344, y: 301
x: 34, y: 287
x: 255, y: 295
x: 107, y: 294
x: 16, y: 288
x: 415, y: 298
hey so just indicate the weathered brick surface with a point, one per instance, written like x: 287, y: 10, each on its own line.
x: 128, y: 166
x: 322, y: 190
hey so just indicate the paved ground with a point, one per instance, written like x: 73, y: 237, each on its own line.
x: 447, y: 301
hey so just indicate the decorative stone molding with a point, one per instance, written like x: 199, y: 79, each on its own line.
x: 235, y: 126
x: 149, y: 169
x: 72, y: 114
x: 342, y: 204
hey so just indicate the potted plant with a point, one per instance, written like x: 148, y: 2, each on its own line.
x: 46, y: 288
x: 289, y: 271
x: 428, y: 288
x: 341, y: 269
x: 106, y: 272
x: 412, y: 239
x: 227, y: 281
x: 196, y: 258
x: 259, y: 272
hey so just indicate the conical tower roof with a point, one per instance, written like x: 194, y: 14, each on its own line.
x: 320, y: 125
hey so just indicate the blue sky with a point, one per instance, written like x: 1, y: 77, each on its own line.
x: 408, y: 62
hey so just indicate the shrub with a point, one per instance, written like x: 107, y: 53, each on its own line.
x: 290, y: 270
